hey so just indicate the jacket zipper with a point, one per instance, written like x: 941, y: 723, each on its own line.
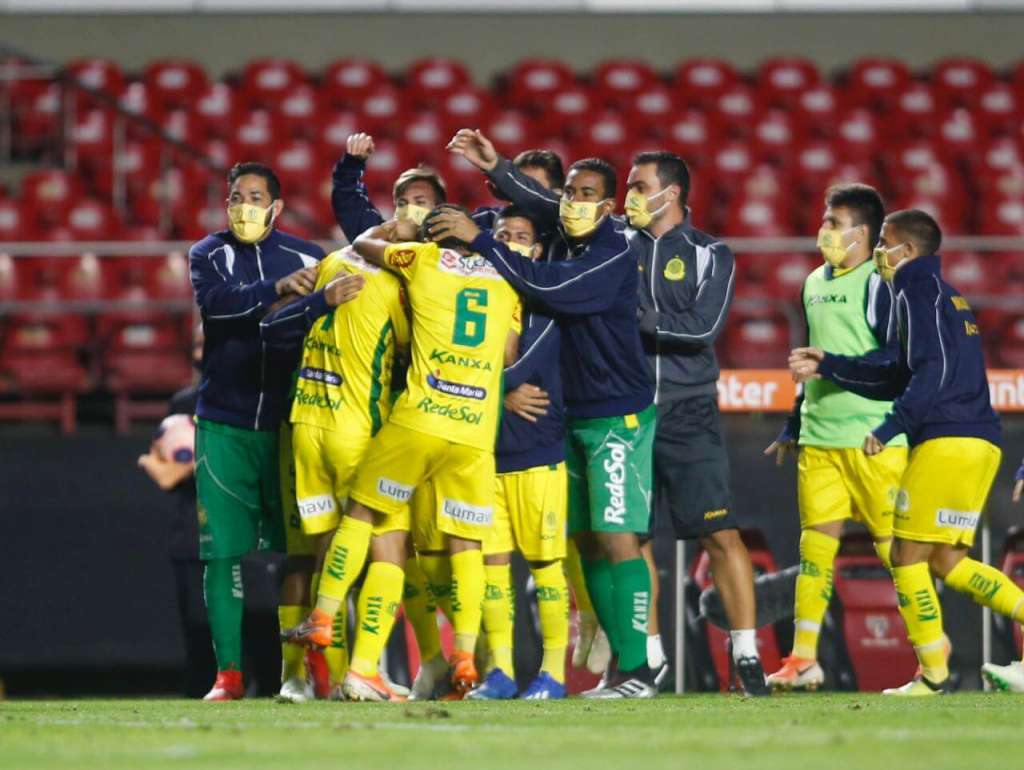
x: 263, y: 351
x: 657, y: 342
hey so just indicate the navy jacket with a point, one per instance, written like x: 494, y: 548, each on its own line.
x: 244, y: 381
x: 523, y: 444
x: 937, y: 373
x: 592, y: 288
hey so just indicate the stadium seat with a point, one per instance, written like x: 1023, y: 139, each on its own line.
x: 959, y: 134
x: 511, y: 131
x: 266, y: 82
x: 185, y: 126
x: 960, y: 80
x: 299, y: 112
x: 605, y: 136
x: 693, y: 135
x: 816, y: 111
x: 1002, y: 217
x: 1009, y: 340
x: 38, y: 118
x: 566, y: 113
x: 758, y: 217
x: 9, y: 280
x: 387, y: 162
x: 175, y: 83
x: 652, y: 110
x: 432, y: 79
x: 169, y: 278
x: 335, y: 129
x: 764, y: 182
x: 757, y: 339
x: 700, y: 81
x: 948, y: 211
x: 424, y: 136
x: 996, y: 159
x: 83, y: 278
x: 735, y: 109
x: 91, y: 220
x: 300, y: 217
x: 973, y: 274
x: 202, y: 219
x: 913, y: 113
x: 346, y: 82
x: 138, y: 100
x: 381, y: 111
x: 533, y: 82
x: 465, y: 107
x: 999, y: 110
x: 814, y: 166
x: 874, y: 82
x: 730, y: 163
x: 256, y: 136
x: 92, y: 134
x: 616, y: 81
x: 858, y: 135
x: 775, y: 135
x: 781, y: 80
x: 219, y: 108
x: 464, y: 180
x: 17, y: 221
x: 100, y: 75
x: 298, y: 167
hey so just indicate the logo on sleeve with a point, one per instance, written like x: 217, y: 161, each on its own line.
x: 401, y: 257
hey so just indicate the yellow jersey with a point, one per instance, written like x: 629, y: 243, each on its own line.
x: 344, y: 380
x: 462, y: 310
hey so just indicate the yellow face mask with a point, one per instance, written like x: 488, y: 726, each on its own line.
x: 411, y: 211
x: 638, y: 208
x: 249, y: 223
x: 521, y: 248
x: 830, y: 244
x: 881, y: 257
x: 579, y: 218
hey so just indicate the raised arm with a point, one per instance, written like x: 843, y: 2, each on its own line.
x: 353, y: 209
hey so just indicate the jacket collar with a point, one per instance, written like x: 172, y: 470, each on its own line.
x: 922, y: 267
x: 684, y: 228
x: 271, y: 240
x: 604, y: 231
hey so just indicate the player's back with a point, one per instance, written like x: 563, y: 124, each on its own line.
x: 462, y: 310
x: 347, y: 358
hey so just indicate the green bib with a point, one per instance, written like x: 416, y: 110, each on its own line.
x: 837, y: 321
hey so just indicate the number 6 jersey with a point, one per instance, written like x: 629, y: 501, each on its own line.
x: 462, y: 311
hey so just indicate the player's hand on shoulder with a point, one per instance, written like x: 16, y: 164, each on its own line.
x: 472, y: 145
x: 804, y: 363
x: 780, y: 448
x: 528, y: 401
x: 360, y: 146
x: 872, y: 446
x: 301, y: 282
x: 343, y: 289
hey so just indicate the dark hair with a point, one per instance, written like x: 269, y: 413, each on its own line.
x: 917, y: 227
x: 671, y: 169
x: 259, y: 169
x: 447, y: 243
x: 421, y: 174
x: 543, y: 159
x: 510, y: 212
x: 864, y: 203
x: 602, y: 167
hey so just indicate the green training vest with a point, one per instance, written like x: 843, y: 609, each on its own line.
x: 837, y: 321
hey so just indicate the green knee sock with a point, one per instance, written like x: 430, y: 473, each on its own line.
x: 598, y: 576
x: 222, y: 587
x: 632, y: 597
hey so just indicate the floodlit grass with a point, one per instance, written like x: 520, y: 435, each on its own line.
x: 825, y: 732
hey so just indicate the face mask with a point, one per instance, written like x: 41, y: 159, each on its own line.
x: 521, y: 248
x: 830, y: 244
x: 887, y: 271
x: 579, y: 218
x: 250, y: 223
x: 637, y: 208
x: 411, y: 211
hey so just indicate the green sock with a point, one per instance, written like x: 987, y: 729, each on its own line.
x: 222, y: 587
x: 632, y: 597
x: 598, y: 576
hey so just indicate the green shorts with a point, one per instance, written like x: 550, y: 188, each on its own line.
x: 238, y: 485
x: 610, y: 462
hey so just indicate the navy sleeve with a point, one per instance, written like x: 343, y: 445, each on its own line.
x: 540, y: 353
x: 288, y: 325
x: 580, y: 286
x: 878, y: 375
x: 353, y: 209
x: 486, y: 217
x: 218, y: 298
x: 701, y: 322
x: 879, y: 310
x: 527, y: 193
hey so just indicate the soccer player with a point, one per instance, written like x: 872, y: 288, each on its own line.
x: 936, y: 379
x: 530, y: 499
x: 847, y: 309
x: 341, y: 396
x: 591, y: 285
x: 442, y: 429
x: 238, y: 275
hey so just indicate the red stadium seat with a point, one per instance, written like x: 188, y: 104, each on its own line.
x: 256, y: 136
x: 91, y: 220
x: 960, y: 80
x: 1002, y: 217
x: 567, y: 113
x: 298, y: 167
x: 701, y: 81
x: 996, y: 159
x: 424, y: 136
x: 301, y: 217
x: 618, y: 80
x: 533, y: 83
x: 84, y: 278
x: 201, y: 220
x: 511, y: 131
x: 169, y: 195
x: 910, y: 159
x: 346, y: 82
x: 757, y: 218
x: 999, y: 110
x: 139, y: 101
x: 786, y: 274
x: 692, y: 134
x: 858, y: 135
x: 466, y: 107
x: 17, y: 221
x: 781, y: 80
x: 430, y: 80
x: 973, y: 274
x: 764, y: 182
x: 9, y: 277
x: 384, y: 166
x: 605, y: 136
x: 959, y: 134
x: 299, y: 112
x: 815, y: 165
x: 652, y: 110
x: 102, y: 75
x: 775, y: 136
x: 219, y: 109
x: 38, y: 118
x: 1008, y: 341
x: 185, y: 126
x: 874, y: 82
x: 948, y: 211
x: 735, y: 109
x: 730, y: 163
x: 335, y: 129
x: 464, y: 180
x: 913, y: 113
x: 266, y: 82
x: 92, y: 134
x: 756, y: 339
x: 176, y: 83
x: 170, y: 279
x: 381, y: 111
x: 816, y: 111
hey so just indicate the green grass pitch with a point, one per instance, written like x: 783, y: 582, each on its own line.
x: 819, y: 731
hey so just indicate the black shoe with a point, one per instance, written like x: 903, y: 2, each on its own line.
x: 751, y: 677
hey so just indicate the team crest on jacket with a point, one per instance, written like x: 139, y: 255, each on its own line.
x: 675, y: 270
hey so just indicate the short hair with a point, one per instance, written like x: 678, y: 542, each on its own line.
x: 865, y: 205
x: 517, y: 212
x: 420, y: 174
x: 544, y: 159
x: 259, y: 169
x: 602, y: 168
x: 447, y: 243
x: 671, y: 169
x: 919, y: 228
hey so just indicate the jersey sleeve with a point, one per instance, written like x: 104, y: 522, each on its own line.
x: 517, y: 316
x: 404, y: 258
x: 399, y: 311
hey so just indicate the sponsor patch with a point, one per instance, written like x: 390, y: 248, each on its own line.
x: 443, y: 356
x: 902, y: 501
x: 456, y: 388
x: 401, y: 257
x: 320, y: 375
x: 473, y: 265
x: 615, y: 467
x: 950, y: 519
x: 715, y: 514
x: 461, y: 414
x: 466, y: 513
x: 317, y: 505
x: 394, y: 490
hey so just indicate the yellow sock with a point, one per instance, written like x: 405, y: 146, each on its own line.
x: 553, y: 609
x: 343, y: 563
x: 922, y: 613
x: 421, y: 610
x: 884, y: 551
x: 337, y: 654
x: 499, y: 615
x: 378, y: 603
x: 293, y: 657
x: 467, y: 597
x: 813, y: 590
x: 574, y: 572
x: 988, y: 586
x: 438, y: 569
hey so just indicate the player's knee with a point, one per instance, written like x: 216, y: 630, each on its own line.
x: 620, y: 546
x: 943, y: 559
x: 389, y: 547
x: 536, y: 565
x: 722, y: 543
x: 905, y: 552
x: 498, y: 559
x: 587, y: 545
x: 460, y: 544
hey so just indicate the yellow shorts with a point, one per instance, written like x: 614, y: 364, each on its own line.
x: 834, y: 484
x: 297, y: 542
x: 426, y: 535
x: 530, y: 513
x: 399, y: 460
x: 944, y: 490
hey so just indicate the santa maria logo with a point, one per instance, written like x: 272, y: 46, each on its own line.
x: 615, y: 467
x: 471, y: 265
x: 456, y: 388
x: 675, y: 269
x: 320, y: 375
